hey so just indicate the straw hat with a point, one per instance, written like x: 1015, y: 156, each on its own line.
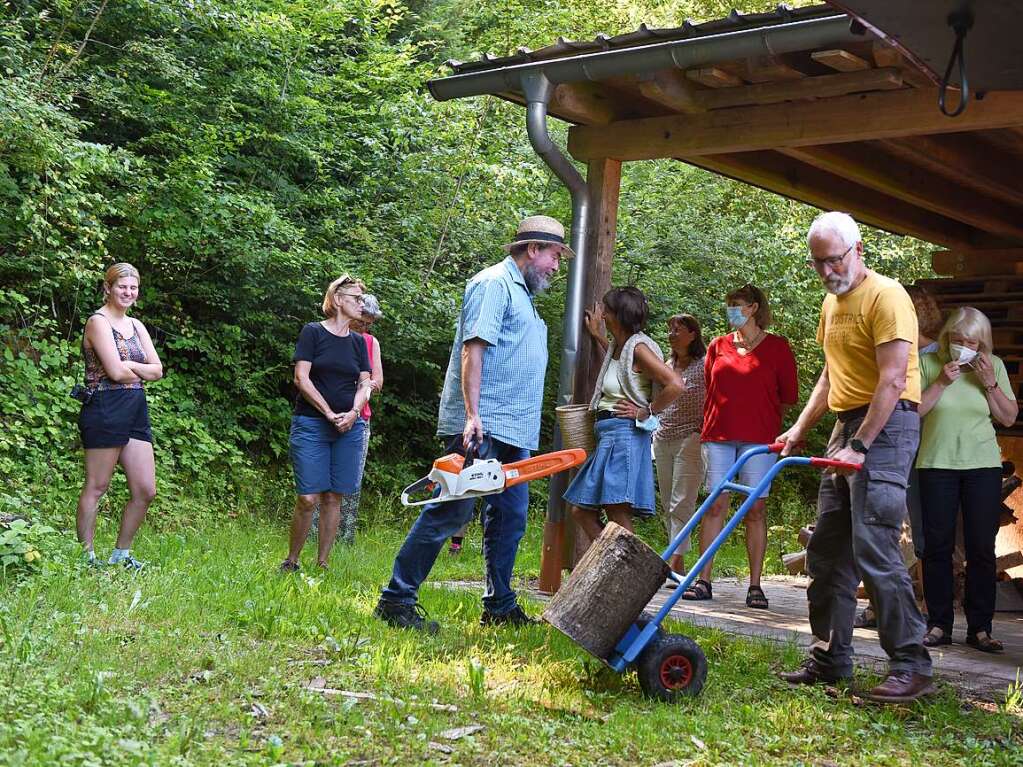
x: 543, y: 230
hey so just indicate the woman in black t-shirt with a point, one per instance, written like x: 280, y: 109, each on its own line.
x: 332, y: 374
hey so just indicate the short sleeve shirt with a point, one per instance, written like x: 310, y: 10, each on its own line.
x: 497, y: 308
x: 957, y: 432
x: 746, y: 392
x: 684, y: 416
x: 337, y: 362
x: 852, y: 325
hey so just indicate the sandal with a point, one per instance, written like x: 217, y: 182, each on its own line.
x: 756, y: 598
x: 984, y: 642
x: 936, y: 637
x: 700, y: 591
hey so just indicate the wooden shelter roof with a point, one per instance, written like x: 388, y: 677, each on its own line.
x: 853, y: 128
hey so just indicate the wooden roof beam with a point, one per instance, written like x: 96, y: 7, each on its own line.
x: 840, y: 61
x: 964, y: 160
x: 863, y: 117
x: 671, y: 89
x: 713, y: 77
x: 789, y: 177
x: 887, y: 56
x: 913, y: 184
x: 823, y: 86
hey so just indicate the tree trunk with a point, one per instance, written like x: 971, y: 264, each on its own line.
x: 607, y: 591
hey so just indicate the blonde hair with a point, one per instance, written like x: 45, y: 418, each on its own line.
x: 119, y: 271
x: 329, y: 310
x: 968, y: 322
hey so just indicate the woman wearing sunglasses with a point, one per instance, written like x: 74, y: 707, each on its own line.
x: 332, y: 375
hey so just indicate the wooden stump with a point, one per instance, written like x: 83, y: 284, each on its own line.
x: 607, y: 591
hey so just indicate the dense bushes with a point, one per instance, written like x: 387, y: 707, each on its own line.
x: 243, y: 152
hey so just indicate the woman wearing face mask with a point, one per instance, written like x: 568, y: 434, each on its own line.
x: 965, y: 388
x: 751, y: 381
x: 633, y: 387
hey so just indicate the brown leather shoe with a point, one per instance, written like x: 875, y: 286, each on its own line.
x: 901, y: 687
x: 809, y: 672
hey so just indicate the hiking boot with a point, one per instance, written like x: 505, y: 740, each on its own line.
x: 901, y: 687
x: 514, y: 617
x: 810, y: 672
x: 404, y: 616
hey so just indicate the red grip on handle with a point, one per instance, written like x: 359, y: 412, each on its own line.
x: 776, y: 447
x: 827, y: 463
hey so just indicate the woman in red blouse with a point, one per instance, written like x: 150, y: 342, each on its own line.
x: 751, y: 381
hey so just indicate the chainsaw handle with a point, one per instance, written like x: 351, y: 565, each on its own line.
x: 473, y: 451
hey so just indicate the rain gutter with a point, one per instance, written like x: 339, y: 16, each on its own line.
x: 679, y: 54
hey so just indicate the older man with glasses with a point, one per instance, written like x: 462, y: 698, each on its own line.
x: 868, y: 329
x: 492, y: 395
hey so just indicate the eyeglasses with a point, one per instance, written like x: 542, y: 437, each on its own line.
x: 832, y: 262
x: 360, y: 299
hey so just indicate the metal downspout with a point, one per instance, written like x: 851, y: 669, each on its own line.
x: 538, y: 89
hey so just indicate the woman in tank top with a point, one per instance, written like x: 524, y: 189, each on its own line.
x: 114, y: 420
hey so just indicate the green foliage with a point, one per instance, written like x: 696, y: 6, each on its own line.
x: 242, y: 153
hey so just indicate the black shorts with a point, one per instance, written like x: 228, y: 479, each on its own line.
x: 114, y: 416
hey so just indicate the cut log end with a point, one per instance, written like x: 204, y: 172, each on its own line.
x: 607, y: 591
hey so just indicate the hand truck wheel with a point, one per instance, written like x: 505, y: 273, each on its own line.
x: 672, y: 667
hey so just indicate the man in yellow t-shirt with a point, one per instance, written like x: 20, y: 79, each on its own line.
x: 871, y: 380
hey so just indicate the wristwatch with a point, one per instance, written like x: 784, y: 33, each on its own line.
x: 858, y: 446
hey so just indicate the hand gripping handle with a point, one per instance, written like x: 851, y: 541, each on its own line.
x: 820, y: 463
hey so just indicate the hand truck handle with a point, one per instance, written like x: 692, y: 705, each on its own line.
x: 827, y: 463
x: 820, y: 463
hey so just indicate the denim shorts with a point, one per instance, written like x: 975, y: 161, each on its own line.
x: 325, y: 460
x: 619, y: 471
x: 719, y: 457
x: 112, y: 417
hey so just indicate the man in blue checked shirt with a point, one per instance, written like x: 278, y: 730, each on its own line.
x: 492, y: 396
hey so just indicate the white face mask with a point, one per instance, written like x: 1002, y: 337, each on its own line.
x: 961, y: 354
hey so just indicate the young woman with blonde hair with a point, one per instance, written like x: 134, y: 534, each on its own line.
x: 114, y: 420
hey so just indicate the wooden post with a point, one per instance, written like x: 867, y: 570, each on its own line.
x: 603, y: 177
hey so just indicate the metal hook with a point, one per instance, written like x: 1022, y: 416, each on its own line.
x: 961, y: 22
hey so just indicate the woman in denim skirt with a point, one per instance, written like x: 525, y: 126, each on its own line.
x: 114, y: 420
x: 332, y: 375
x: 633, y: 386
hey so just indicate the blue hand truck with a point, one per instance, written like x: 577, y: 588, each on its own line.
x: 672, y: 666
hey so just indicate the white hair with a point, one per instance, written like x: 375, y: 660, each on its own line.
x: 837, y: 222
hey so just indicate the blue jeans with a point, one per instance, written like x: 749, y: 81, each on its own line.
x: 504, y: 524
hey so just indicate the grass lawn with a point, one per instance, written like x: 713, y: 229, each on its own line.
x: 205, y: 658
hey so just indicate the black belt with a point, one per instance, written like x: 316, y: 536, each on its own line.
x: 850, y: 415
x: 602, y: 415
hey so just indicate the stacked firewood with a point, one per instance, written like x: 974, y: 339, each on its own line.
x: 1010, y: 591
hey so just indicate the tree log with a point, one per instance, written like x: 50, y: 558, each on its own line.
x: 795, y: 563
x: 607, y: 591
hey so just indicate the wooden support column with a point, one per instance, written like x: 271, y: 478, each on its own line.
x: 603, y: 177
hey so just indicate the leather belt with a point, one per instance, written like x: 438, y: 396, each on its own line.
x: 850, y: 415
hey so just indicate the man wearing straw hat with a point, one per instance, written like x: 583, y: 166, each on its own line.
x: 492, y: 397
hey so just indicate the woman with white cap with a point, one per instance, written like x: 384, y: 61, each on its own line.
x: 965, y: 388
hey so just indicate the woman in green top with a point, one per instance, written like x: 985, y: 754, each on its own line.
x: 965, y: 389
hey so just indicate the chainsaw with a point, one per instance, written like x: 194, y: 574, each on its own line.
x: 455, y: 478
